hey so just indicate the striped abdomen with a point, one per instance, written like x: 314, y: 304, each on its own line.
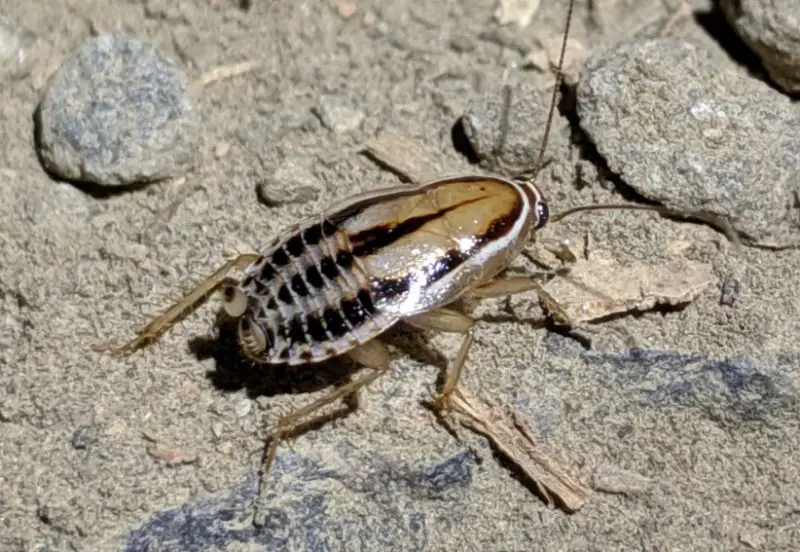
x: 308, y: 299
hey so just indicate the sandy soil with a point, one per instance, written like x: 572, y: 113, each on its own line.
x: 685, y: 420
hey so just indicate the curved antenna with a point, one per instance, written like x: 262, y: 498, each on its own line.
x: 554, y: 99
x: 610, y: 207
x: 720, y: 223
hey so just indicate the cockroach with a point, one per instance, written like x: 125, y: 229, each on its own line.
x: 332, y: 284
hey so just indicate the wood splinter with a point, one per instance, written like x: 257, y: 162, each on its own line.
x: 511, y: 436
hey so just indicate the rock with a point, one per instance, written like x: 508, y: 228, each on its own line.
x: 304, y: 509
x: 116, y: 113
x: 771, y: 29
x: 337, y: 117
x: 84, y: 437
x: 684, y: 132
x: 505, y: 129
x: 292, y: 182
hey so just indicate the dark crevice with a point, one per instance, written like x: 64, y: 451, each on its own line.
x: 716, y: 25
x: 461, y: 142
x: 568, y: 107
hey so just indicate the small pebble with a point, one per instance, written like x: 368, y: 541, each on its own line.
x: 242, y: 408
x: 498, y: 127
x: 292, y: 182
x: 337, y: 117
x: 117, y: 112
x: 84, y: 437
x: 729, y: 292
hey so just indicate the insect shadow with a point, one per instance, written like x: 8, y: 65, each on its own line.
x: 233, y: 371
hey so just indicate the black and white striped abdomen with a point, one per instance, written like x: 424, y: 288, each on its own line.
x: 308, y: 298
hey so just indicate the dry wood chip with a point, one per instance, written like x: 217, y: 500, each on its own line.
x: 512, y: 437
x: 403, y: 157
x: 600, y: 287
x: 171, y: 457
x: 520, y: 12
x: 224, y: 72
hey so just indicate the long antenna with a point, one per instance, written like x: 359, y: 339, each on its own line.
x: 720, y: 223
x: 612, y: 206
x: 554, y: 99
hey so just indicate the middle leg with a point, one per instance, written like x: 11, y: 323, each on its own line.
x: 448, y: 321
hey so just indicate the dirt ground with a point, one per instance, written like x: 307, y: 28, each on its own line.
x: 684, y: 420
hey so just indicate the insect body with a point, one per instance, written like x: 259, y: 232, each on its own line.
x: 332, y: 284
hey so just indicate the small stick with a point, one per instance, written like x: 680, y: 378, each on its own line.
x: 683, y: 11
x: 225, y: 72
x: 512, y: 437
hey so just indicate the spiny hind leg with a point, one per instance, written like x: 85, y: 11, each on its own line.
x: 448, y: 321
x: 190, y: 302
x: 372, y: 354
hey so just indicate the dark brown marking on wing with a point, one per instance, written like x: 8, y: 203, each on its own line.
x: 279, y: 257
x: 363, y: 296
x: 445, y: 264
x: 267, y: 272
x: 285, y: 295
x: 329, y: 228
x: 294, y: 332
x: 387, y: 289
x: 312, y: 234
x: 315, y: 329
x: 358, y: 207
x: 367, y: 242
x: 354, y: 312
x: 272, y: 304
x: 329, y: 268
x: 502, y: 225
x: 344, y: 259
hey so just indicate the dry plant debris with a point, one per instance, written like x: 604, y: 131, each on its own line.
x: 512, y: 437
x: 601, y: 287
x: 403, y: 157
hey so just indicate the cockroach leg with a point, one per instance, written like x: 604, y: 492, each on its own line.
x: 443, y: 319
x: 190, y: 302
x: 448, y: 321
x: 372, y: 354
x: 501, y: 287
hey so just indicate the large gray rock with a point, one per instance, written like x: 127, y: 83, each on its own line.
x: 684, y: 132
x: 115, y: 113
x: 772, y: 29
x: 504, y: 127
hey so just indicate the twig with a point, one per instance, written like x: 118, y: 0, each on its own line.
x: 512, y: 437
x: 224, y: 72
